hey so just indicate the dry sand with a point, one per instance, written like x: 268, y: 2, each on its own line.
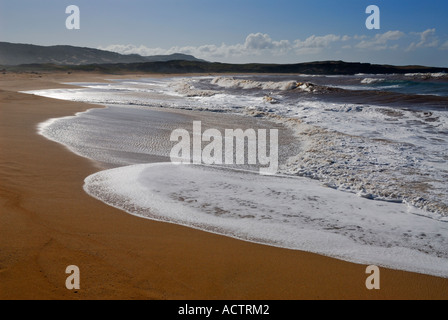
x: 48, y: 222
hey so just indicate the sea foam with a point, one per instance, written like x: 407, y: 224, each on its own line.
x: 384, y: 152
x: 294, y: 213
x: 393, y: 153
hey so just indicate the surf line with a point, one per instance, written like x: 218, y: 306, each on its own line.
x: 228, y: 149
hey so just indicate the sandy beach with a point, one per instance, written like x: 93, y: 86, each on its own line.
x: 48, y: 222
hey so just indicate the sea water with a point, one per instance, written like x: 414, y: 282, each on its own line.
x: 365, y: 181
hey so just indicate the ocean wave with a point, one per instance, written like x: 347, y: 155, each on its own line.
x: 186, y: 88
x: 386, y: 153
x: 371, y: 80
x: 371, y: 151
x: 361, y: 181
x: 230, y: 82
x: 438, y: 75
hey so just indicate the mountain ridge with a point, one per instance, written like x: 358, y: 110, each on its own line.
x: 61, y: 58
x: 184, y: 67
x: 13, y: 54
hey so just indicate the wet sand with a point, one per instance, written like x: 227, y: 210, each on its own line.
x: 47, y: 222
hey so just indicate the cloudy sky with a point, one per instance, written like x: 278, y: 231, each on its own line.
x: 240, y: 31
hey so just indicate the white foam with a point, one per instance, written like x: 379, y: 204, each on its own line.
x: 375, y: 152
x: 230, y: 82
x: 427, y: 75
x: 294, y: 213
x: 371, y: 80
x: 391, y: 153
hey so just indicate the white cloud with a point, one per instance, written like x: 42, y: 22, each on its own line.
x: 315, y: 44
x: 254, y: 44
x: 380, y: 41
x: 265, y: 48
x: 204, y: 50
x: 260, y: 41
x: 428, y: 39
x: 444, y: 46
x: 131, y: 49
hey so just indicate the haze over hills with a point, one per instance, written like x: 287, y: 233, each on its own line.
x: 26, y: 57
x: 12, y: 54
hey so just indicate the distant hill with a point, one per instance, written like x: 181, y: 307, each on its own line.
x: 26, y: 57
x: 12, y: 54
x: 178, y: 66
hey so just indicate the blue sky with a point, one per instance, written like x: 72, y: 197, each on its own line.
x: 281, y: 31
